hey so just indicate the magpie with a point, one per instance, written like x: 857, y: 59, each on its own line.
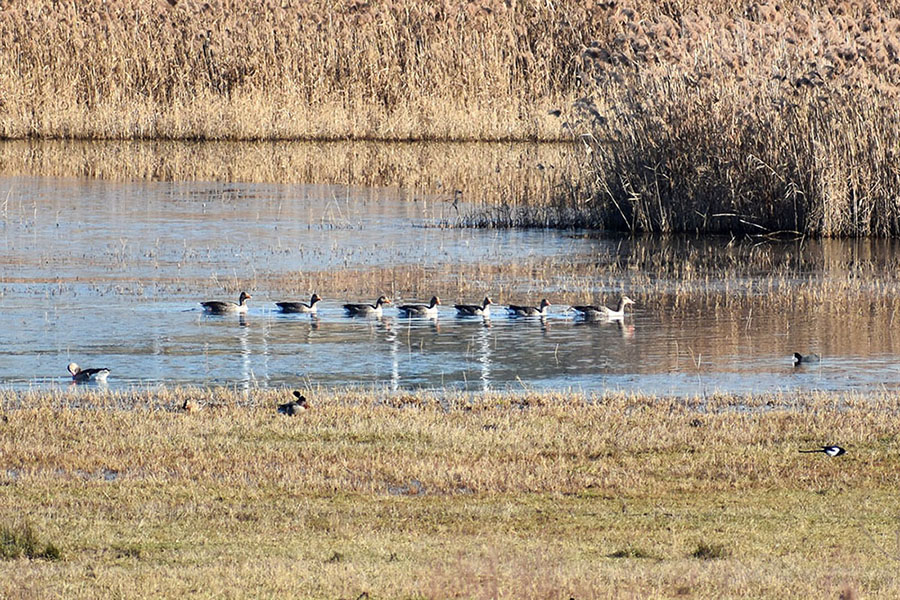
x: 831, y: 451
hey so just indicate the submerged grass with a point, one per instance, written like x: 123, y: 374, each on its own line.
x: 442, y: 495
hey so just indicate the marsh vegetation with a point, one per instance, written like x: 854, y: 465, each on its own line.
x: 447, y: 495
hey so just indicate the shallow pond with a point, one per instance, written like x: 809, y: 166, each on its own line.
x: 110, y: 274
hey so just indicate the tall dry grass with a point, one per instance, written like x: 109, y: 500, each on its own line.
x: 778, y: 118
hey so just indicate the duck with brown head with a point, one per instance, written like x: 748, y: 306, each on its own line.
x: 602, y: 312
x: 219, y: 307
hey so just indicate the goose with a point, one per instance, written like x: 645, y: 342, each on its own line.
x: 800, y: 359
x: 420, y: 310
x: 831, y: 451
x: 294, y: 407
x: 190, y: 406
x: 594, y: 312
x: 80, y: 375
x: 366, y: 310
x: 299, y: 307
x: 475, y: 310
x: 218, y: 307
x: 529, y: 311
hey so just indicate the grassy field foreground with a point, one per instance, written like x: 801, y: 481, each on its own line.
x: 506, y: 496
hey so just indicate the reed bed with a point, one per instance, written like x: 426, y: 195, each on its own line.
x: 447, y: 495
x: 782, y: 118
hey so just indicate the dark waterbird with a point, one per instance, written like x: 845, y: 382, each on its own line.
x: 831, y: 451
x: 300, y: 307
x: 219, y: 307
x: 294, y: 407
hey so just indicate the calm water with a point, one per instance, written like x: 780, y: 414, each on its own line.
x: 110, y: 274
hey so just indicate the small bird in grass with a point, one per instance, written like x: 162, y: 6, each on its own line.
x: 80, y: 375
x: 294, y: 407
x: 190, y: 406
x: 831, y: 451
x: 218, y: 307
x: 801, y: 359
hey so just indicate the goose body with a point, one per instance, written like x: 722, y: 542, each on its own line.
x: 366, y: 310
x: 420, y: 310
x: 529, y: 311
x: 80, y: 375
x: 475, y: 310
x: 294, y: 407
x: 602, y: 312
x: 800, y: 359
x: 219, y: 307
x: 300, y: 307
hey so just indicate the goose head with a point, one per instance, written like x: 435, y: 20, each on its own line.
x: 382, y: 300
x: 434, y: 301
x: 315, y: 298
x: 243, y: 298
x: 74, y: 369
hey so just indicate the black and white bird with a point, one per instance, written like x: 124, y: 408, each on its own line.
x: 475, y: 310
x: 603, y: 312
x: 366, y: 310
x: 219, y: 307
x: 294, y: 407
x: 807, y: 359
x: 420, y: 310
x: 831, y: 451
x: 300, y: 307
x: 529, y: 311
x: 80, y: 375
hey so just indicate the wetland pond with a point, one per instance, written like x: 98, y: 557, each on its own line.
x: 110, y: 274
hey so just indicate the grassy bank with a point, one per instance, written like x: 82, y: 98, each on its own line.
x: 535, y: 496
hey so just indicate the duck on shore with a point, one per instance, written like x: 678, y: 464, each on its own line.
x: 294, y: 407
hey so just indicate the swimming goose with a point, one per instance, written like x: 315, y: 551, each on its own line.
x: 800, y: 359
x: 366, y: 310
x: 80, y: 375
x: 831, y: 451
x: 595, y: 312
x: 475, y: 310
x: 420, y: 310
x: 529, y: 311
x: 294, y: 407
x: 299, y: 307
x: 218, y: 307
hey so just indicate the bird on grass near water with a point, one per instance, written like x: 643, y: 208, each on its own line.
x: 218, y: 307
x: 529, y: 311
x: 294, y: 407
x: 475, y: 310
x: 80, y: 375
x: 602, y: 312
x: 420, y: 310
x: 366, y: 310
x: 831, y: 451
x: 300, y: 307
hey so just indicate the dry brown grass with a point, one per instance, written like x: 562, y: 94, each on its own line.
x: 437, y: 496
x: 780, y: 118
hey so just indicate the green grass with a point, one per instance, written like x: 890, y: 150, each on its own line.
x: 567, y: 496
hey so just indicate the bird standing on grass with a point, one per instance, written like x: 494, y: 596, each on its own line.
x: 831, y: 451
